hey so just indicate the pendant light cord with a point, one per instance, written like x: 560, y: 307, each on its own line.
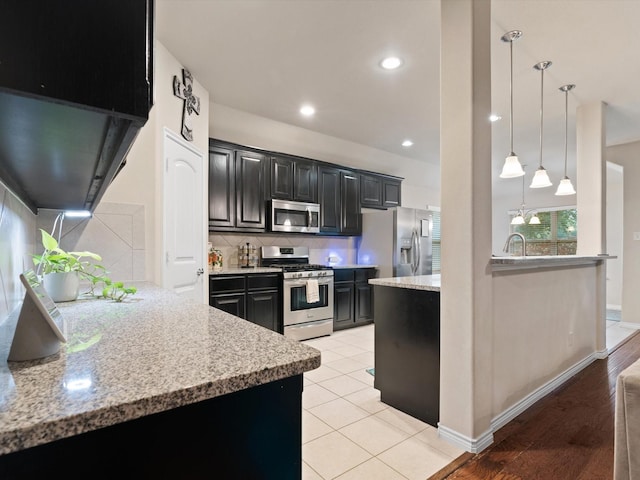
x: 541, y: 110
x: 566, y: 128
x: 511, y: 95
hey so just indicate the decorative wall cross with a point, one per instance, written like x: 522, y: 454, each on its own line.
x: 191, y: 102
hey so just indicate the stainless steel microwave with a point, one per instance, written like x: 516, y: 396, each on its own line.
x: 286, y: 216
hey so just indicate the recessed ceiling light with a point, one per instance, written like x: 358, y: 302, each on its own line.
x: 494, y: 118
x: 307, y: 110
x: 407, y: 143
x: 390, y: 63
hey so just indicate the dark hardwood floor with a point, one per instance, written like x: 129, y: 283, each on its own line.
x: 567, y: 435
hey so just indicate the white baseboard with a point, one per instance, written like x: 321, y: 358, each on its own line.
x: 476, y: 445
x: 613, y: 307
x: 515, y: 410
x: 473, y: 445
x: 631, y: 325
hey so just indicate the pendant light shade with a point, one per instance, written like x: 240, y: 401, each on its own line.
x: 541, y: 178
x: 534, y: 220
x: 512, y: 167
x: 518, y: 219
x: 565, y: 187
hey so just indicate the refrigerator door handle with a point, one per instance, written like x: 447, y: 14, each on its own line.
x: 419, y: 253
x: 415, y: 256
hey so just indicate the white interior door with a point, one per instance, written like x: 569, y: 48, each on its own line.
x: 184, y: 236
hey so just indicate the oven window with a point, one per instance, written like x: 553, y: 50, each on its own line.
x: 290, y: 218
x: 299, y: 298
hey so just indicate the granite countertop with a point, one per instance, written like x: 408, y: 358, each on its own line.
x: 153, y: 352
x: 418, y: 282
x: 238, y: 270
x: 545, y: 261
x: 351, y: 265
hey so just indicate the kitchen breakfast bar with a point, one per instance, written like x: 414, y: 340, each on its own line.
x: 154, y: 387
x: 538, y: 340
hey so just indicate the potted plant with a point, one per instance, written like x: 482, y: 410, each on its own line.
x: 62, y: 271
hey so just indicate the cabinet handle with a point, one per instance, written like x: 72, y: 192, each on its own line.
x: 200, y: 271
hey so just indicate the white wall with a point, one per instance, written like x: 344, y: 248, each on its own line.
x: 615, y: 230
x: 140, y: 182
x: 421, y: 185
x: 628, y: 156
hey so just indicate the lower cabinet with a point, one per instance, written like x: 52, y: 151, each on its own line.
x: 353, y: 297
x: 254, y: 297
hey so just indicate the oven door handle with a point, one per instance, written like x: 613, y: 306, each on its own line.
x: 289, y: 282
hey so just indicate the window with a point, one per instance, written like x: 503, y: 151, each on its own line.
x: 555, y: 235
x: 435, y: 243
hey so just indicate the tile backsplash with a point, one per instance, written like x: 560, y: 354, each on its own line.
x: 115, y: 232
x: 342, y: 250
x: 17, y: 242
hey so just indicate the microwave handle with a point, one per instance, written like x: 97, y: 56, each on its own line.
x: 309, y: 218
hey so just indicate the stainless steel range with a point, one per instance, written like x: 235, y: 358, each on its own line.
x: 307, y: 292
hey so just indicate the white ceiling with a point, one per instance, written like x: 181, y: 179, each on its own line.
x: 267, y: 57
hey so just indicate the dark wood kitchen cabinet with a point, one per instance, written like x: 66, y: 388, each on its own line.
x: 293, y: 179
x: 379, y: 191
x: 76, y: 84
x: 254, y: 297
x: 236, y: 189
x: 339, y: 198
x: 353, y: 297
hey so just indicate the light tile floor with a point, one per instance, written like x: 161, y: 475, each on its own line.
x: 349, y: 434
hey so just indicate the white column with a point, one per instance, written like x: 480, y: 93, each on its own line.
x: 591, y: 169
x: 466, y: 294
x: 591, y: 183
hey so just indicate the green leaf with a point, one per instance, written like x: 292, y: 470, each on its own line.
x: 48, y: 242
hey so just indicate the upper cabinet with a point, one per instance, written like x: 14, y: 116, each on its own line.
x: 294, y: 179
x: 379, y: 191
x: 339, y: 198
x: 243, y: 180
x: 76, y: 84
x: 236, y: 189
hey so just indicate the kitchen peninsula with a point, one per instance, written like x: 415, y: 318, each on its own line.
x: 538, y: 340
x: 154, y: 387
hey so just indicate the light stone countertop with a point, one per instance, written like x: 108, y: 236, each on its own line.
x: 545, y: 261
x: 351, y: 265
x: 418, y: 282
x: 153, y: 352
x: 238, y: 270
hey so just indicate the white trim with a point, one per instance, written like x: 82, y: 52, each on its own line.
x: 602, y: 354
x: 515, y: 410
x: 611, y: 306
x: 473, y: 445
x: 631, y: 325
x: 544, y: 209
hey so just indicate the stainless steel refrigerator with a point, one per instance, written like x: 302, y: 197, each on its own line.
x: 398, y: 240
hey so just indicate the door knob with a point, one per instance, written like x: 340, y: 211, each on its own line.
x: 200, y: 271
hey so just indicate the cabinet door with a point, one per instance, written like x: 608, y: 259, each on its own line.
x: 305, y: 181
x: 232, y: 303
x: 370, y: 191
x: 250, y: 205
x: 343, y: 302
x: 263, y: 308
x: 391, y: 193
x: 282, y: 178
x: 351, y: 218
x: 329, y: 196
x: 364, y: 302
x: 221, y: 188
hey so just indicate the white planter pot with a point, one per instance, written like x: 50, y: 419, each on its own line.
x: 62, y: 286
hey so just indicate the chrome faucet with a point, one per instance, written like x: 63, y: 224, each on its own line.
x: 524, y: 243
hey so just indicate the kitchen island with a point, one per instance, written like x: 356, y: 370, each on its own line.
x: 154, y: 387
x: 407, y: 344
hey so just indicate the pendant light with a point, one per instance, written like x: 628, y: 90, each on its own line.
x: 512, y: 167
x: 541, y: 179
x: 565, y: 187
x: 520, y: 217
